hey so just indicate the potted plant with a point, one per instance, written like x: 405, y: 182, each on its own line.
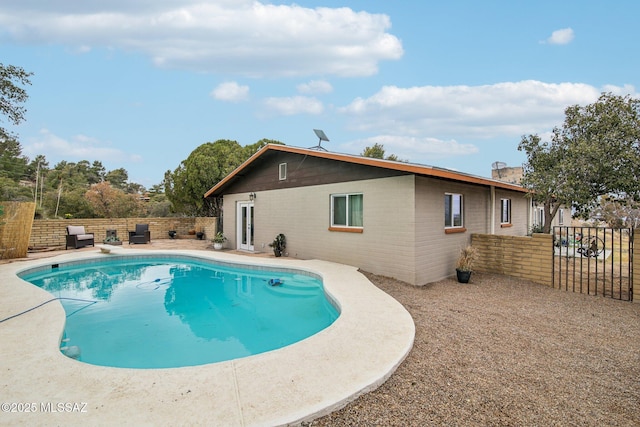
x: 112, y: 240
x: 172, y: 230
x: 218, y: 240
x: 464, y: 266
x: 200, y: 233
x: 279, y: 244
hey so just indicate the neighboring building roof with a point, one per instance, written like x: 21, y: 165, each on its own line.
x: 411, y: 168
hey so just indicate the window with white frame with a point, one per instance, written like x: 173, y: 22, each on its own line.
x: 347, y: 210
x: 453, y: 210
x: 505, y: 211
x: 282, y: 171
x: 539, y: 217
x: 560, y: 216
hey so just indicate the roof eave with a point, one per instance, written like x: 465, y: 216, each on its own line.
x: 368, y: 161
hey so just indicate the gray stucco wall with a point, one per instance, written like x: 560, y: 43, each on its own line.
x: 386, y: 245
x: 437, y: 251
x: 403, y: 234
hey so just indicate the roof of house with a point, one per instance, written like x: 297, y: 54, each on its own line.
x: 412, y: 168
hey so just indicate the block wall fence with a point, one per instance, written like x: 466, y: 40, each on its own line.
x: 531, y: 258
x: 48, y: 233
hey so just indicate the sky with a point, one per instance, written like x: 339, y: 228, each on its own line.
x: 140, y: 84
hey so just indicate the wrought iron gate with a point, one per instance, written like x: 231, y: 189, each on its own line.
x: 594, y: 261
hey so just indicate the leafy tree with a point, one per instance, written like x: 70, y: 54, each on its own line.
x: 617, y: 213
x: 250, y: 150
x: 12, y: 95
x: 70, y: 174
x: 118, y: 178
x: 10, y: 190
x: 13, y: 164
x: 596, y: 153
x: 206, y: 166
x: 135, y: 188
x: 375, y: 152
x: 13, y: 169
x: 378, y: 152
x: 109, y: 202
x: 39, y: 165
x: 96, y: 172
x: 64, y: 201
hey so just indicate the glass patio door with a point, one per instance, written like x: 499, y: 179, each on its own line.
x: 245, y: 226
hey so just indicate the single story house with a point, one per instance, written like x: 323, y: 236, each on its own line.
x: 397, y: 219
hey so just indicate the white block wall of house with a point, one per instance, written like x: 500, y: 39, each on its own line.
x: 437, y: 251
x: 403, y: 234
x: 520, y: 203
x: 386, y: 245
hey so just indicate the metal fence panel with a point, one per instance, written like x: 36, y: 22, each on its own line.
x: 594, y: 261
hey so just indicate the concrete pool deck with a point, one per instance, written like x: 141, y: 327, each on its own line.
x: 300, y: 382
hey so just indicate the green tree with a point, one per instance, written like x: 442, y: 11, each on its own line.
x: 118, y: 178
x: 378, y: 152
x: 109, y: 202
x: 596, y: 153
x: 13, y: 169
x: 38, y: 166
x: 618, y: 213
x: 13, y: 164
x: 10, y: 190
x: 58, y: 203
x: 206, y: 166
x: 12, y: 95
x: 96, y: 172
x: 375, y: 152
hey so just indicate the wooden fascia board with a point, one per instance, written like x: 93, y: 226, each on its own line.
x: 368, y: 161
x: 236, y: 171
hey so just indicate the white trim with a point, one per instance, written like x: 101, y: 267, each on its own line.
x: 508, y: 219
x: 347, y: 196
x: 239, y: 226
x: 452, y: 213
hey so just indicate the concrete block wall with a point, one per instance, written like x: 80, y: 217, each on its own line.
x: 47, y: 233
x: 526, y: 257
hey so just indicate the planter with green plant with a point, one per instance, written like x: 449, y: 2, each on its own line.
x: 218, y: 240
x: 112, y: 240
x: 464, y: 265
x: 279, y: 244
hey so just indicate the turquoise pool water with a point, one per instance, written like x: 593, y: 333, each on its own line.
x: 159, y: 312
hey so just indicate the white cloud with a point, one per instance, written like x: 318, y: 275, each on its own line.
x: 290, y: 106
x: 461, y: 112
x: 230, y: 91
x: 409, y: 147
x: 79, y: 147
x: 315, y: 87
x: 621, y: 90
x: 563, y: 36
x: 249, y: 38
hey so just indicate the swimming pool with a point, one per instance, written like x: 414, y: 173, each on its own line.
x: 296, y: 383
x: 163, y: 312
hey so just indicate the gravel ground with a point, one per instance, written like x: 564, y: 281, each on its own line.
x: 503, y: 352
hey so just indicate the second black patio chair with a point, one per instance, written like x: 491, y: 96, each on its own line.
x: 140, y: 235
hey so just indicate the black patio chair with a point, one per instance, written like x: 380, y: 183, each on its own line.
x: 140, y: 235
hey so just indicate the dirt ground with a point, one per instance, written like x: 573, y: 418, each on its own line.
x: 504, y: 352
